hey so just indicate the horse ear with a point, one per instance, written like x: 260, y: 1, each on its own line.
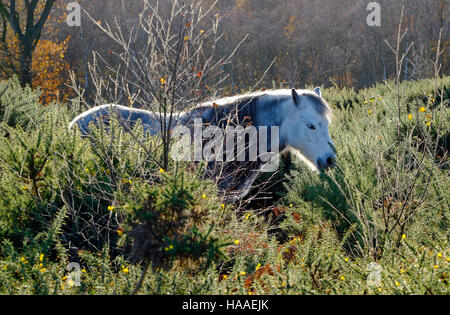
x: 296, y: 97
x: 317, y: 91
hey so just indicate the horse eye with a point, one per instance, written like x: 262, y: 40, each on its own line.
x: 311, y: 127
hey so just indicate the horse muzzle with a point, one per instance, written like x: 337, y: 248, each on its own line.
x: 327, y: 162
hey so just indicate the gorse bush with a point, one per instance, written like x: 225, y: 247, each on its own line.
x: 173, y: 220
x: 49, y: 167
x: 377, y: 224
x: 391, y: 170
x: 19, y: 107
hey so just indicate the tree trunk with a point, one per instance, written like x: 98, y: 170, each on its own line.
x: 26, y: 59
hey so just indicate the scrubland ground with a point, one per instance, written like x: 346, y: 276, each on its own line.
x: 377, y: 224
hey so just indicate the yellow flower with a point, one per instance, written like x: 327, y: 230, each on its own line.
x: 43, y: 269
x: 186, y: 38
x: 370, y: 112
x: 64, y: 278
x: 41, y: 257
x: 404, y: 236
x: 70, y: 283
x: 242, y: 273
x: 346, y: 259
x: 124, y: 269
x: 237, y: 242
x: 163, y: 81
x: 24, y: 188
x: 224, y: 277
x: 223, y: 206
x: 422, y: 110
x: 120, y: 232
x: 110, y: 208
x: 410, y: 117
x: 397, y: 283
x: 436, y: 266
x: 291, y: 205
x: 250, y: 292
x: 83, y: 270
x: 402, y: 270
x: 202, y: 31
x: 342, y: 278
x: 161, y: 171
x: 439, y: 255
x: 204, y: 196
x: 170, y: 247
x: 258, y: 266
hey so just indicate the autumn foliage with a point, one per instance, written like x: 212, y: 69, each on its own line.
x: 50, y: 70
x: 49, y: 67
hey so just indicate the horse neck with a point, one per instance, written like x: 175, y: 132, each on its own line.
x: 283, y: 112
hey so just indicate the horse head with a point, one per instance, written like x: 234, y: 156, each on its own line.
x: 305, y: 129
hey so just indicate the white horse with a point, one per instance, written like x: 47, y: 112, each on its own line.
x: 303, y: 118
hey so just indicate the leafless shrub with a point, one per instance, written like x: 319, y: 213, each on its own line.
x: 405, y: 164
x: 166, y: 62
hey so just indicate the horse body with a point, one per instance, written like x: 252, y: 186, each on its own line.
x: 302, y: 116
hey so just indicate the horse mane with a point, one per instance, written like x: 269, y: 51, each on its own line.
x: 267, y: 98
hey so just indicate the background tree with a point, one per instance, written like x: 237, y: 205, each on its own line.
x: 28, y: 27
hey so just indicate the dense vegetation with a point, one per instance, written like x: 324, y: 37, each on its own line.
x: 377, y: 224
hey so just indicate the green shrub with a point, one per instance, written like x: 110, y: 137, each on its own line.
x: 173, y: 222
x: 101, y: 202
x: 385, y: 183
x: 19, y: 107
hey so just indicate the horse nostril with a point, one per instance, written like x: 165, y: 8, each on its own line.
x: 330, y: 161
x: 326, y: 163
